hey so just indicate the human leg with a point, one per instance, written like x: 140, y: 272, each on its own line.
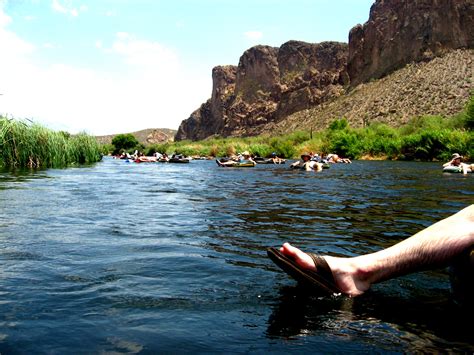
x: 435, y: 246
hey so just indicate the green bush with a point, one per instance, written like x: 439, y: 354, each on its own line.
x: 339, y: 125
x: 259, y: 149
x: 298, y: 137
x: 345, y: 143
x: 284, y: 148
x: 469, y: 114
x: 430, y: 144
x: 421, y: 123
x: 124, y: 142
x: 380, y: 140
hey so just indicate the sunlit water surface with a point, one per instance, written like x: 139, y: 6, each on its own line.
x: 140, y: 258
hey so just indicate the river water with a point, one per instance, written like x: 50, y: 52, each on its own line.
x: 144, y: 258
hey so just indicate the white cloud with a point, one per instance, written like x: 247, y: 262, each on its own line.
x: 4, y: 18
x: 123, y: 36
x: 66, y: 7
x: 253, y: 35
x: 13, y: 46
x: 151, y: 88
x: 142, y: 53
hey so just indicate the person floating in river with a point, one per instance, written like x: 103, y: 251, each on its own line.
x: 456, y: 161
x: 307, y: 164
x: 243, y: 158
x: 276, y: 159
x: 449, y: 242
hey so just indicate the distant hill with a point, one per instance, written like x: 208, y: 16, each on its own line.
x: 145, y: 136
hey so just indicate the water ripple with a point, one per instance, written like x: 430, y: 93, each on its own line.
x: 132, y: 258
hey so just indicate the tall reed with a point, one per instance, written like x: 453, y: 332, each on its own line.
x: 25, y: 144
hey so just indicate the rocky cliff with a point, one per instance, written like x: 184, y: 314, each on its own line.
x: 441, y: 86
x: 403, y: 31
x: 271, y: 84
x: 268, y: 84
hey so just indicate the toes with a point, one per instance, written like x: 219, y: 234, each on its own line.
x: 299, y: 256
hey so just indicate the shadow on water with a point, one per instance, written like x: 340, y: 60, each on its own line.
x: 375, y: 321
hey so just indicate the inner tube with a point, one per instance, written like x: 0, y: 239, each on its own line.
x: 236, y: 165
x: 452, y: 169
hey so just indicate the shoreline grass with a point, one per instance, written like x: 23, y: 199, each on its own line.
x: 425, y: 138
x: 29, y: 145
x: 428, y: 138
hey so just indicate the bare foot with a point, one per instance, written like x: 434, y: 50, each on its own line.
x: 349, y: 278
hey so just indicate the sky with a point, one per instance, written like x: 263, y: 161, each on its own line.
x: 118, y: 66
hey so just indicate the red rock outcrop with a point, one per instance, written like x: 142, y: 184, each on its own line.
x: 268, y: 84
x: 402, y: 31
x: 310, y: 74
x: 210, y: 118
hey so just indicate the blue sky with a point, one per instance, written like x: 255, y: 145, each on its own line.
x: 110, y: 66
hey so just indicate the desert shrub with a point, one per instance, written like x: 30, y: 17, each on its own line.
x: 345, y: 143
x: 298, y: 137
x: 469, y: 114
x: 315, y: 145
x: 422, y: 123
x: 230, y: 150
x: 259, y: 149
x: 429, y: 144
x: 125, y: 142
x: 159, y: 148
x: 380, y: 140
x: 214, y: 150
x: 339, y: 124
x: 282, y: 147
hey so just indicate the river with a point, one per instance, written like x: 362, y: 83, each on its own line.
x: 144, y: 258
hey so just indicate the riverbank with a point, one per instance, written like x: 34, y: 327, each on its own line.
x: 426, y: 138
x: 26, y: 144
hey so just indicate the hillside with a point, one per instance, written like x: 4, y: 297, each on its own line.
x: 145, y: 136
x: 439, y: 87
x: 417, y: 48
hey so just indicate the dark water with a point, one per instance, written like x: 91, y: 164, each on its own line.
x: 138, y: 258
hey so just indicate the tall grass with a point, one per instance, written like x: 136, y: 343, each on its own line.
x: 25, y: 144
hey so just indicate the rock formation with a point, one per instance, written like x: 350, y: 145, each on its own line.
x: 441, y: 86
x: 402, y: 31
x: 202, y: 122
x: 310, y: 74
x: 270, y: 84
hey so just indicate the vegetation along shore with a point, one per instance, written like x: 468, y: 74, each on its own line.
x: 424, y: 138
x: 26, y: 144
